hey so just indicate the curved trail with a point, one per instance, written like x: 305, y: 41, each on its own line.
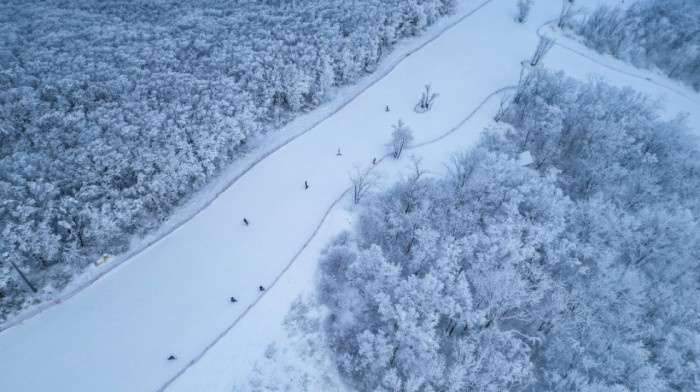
x: 643, y: 78
x: 461, y: 123
x: 131, y: 254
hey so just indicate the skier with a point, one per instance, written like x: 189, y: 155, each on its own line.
x: 172, y: 358
x: 387, y: 108
x: 233, y: 300
x: 306, y: 185
x: 338, y: 154
x: 261, y: 288
x: 374, y: 161
x: 245, y: 221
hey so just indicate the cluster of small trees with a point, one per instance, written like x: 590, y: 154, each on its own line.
x: 111, y: 113
x: 578, y: 272
x: 652, y: 33
x: 426, y: 100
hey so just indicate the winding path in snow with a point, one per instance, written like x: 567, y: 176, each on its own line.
x: 646, y: 79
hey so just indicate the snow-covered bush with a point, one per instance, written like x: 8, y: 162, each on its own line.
x: 426, y: 100
x: 111, y: 113
x: 664, y: 34
x: 578, y: 272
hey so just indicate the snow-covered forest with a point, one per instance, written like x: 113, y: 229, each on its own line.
x: 577, y: 271
x: 112, y: 113
x: 663, y: 34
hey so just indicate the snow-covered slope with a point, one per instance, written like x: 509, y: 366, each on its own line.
x: 173, y: 298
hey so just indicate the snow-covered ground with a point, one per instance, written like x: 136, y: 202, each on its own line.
x: 173, y: 298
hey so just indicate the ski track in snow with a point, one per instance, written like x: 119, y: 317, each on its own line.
x: 643, y: 78
x: 131, y: 254
x: 242, y: 315
x: 313, y: 235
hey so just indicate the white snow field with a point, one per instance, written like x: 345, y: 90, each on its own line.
x: 173, y: 297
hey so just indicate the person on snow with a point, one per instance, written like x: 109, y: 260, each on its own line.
x: 338, y: 154
x: 387, y: 108
x: 374, y: 161
x: 172, y: 358
x: 233, y: 300
x: 245, y: 221
x: 261, y: 288
x: 306, y: 185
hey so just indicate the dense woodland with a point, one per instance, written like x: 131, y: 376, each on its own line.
x: 111, y: 113
x: 577, y: 272
x: 663, y: 34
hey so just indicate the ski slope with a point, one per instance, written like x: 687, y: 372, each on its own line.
x: 173, y: 297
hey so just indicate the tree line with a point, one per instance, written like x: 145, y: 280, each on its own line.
x: 663, y: 34
x: 575, y: 272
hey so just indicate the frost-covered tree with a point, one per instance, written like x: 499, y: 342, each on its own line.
x: 401, y: 138
x: 543, y: 47
x: 412, y: 299
x: 565, y: 13
x: 631, y: 225
x: 577, y: 272
x: 426, y: 100
x: 362, y: 179
x: 524, y: 9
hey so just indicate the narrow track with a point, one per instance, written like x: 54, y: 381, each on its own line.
x: 643, y: 78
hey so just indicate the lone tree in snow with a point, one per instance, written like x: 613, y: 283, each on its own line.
x: 400, y: 138
x: 523, y: 9
x: 542, y: 49
x: 362, y: 178
x: 426, y: 100
x: 503, y: 106
x: 565, y: 14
